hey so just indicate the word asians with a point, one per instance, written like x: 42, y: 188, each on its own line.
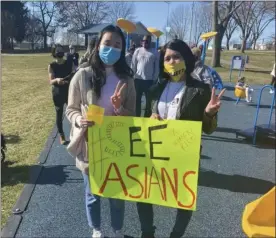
x: 149, y: 180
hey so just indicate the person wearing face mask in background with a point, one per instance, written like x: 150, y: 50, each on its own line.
x: 108, y: 83
x: 73, y: 56
x: 60, y: 72
x: 178, y: 96
x: 145, y: 65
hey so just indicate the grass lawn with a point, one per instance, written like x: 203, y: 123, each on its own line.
x: 27, y: 119
x: 257, y: 71
x: 28, y: 113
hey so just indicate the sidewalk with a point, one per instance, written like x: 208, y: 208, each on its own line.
x: 232, y: 174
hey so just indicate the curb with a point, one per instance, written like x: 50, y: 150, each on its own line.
x: 11, y: 227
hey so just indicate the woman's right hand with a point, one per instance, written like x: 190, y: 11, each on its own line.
x: 85, y: 123
x: 59, y: 81
x: 155, y: 116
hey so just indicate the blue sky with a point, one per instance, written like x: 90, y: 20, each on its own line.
x: 154, y: 14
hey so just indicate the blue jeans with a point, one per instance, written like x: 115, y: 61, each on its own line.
x: 93, y: 209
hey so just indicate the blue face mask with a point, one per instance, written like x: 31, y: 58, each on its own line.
x: 109, y: 55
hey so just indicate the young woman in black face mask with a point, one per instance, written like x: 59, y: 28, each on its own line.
x: 60, y: 72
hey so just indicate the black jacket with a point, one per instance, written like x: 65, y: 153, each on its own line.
x: 192, y: 105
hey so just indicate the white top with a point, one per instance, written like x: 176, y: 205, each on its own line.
x: 145, y: 64
x: 107, y: 91
x: 170, y: 99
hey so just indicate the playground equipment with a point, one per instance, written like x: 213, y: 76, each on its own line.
x: 241, y: 94
x: 156, y: 33
x: 205, y: 37
x: 265, y: 131
x: 216, y: 78
x: 258, y: 218
x: 238, y: 62
x: 128, y: 27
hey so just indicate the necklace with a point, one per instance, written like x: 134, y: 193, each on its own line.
x: 174, y: 94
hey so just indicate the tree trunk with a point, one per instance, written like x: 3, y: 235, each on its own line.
x: 12, y: 43
x: 217, y: 41
x: 254, y: 44
x: 243, y: 47
x: 45, y: 41
x: 86, y: 40
x: 227, y: 43
x: 216, y: 50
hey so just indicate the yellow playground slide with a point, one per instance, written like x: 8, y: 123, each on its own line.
x: 258, y: 218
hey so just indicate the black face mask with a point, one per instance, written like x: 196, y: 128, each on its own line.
x: 59, y: 54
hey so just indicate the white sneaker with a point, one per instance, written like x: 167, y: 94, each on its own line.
x: 118, y: 234
x: 271, y: 91
x: 97, y: 234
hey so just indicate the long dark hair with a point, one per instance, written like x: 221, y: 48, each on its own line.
x: 53, y: 50
x: 121, y: 68
x: 186, y: 53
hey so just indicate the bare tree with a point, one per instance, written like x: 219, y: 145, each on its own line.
x: 222, y: 13
x: 78, y: 15
x: 44, y: 12
x: 179, y: 22
x: 246, y: 17
x: 34, y: 31
x: 231, y: 27
x: 263, y: 19
x: 124, y: 10
x: 203, y: 20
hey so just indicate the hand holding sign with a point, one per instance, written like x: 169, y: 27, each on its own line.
x: 214, y: 104
x: 116, y: 97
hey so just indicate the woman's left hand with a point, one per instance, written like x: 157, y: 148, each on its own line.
x: 214, y: 104
x: 116, y: 97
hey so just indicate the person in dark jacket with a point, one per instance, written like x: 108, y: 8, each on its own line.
x: 60, y: 73
x: 178, y: 96
x: 73, y: 56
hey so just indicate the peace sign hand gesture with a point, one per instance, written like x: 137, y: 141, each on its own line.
x: 116, y: 97
x: 214, y: 104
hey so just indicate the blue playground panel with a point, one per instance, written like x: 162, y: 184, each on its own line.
x: 216, y: 78
x: 264, y: 131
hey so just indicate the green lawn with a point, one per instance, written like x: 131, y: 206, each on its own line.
x: 28, y: 113
x: 257, y: 71
x: 27, y: 119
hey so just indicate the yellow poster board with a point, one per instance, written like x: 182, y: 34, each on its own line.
x: 146, y: 160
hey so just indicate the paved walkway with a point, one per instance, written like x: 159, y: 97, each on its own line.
x: 232, y: 174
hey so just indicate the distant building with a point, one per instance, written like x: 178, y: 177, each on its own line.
x: 237, y: 46
x: 93, y: 30
x: 26, y: 45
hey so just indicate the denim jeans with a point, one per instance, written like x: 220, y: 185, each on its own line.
x: 145, y: 212
x: 93, y: 209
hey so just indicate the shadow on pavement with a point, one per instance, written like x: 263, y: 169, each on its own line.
x: 36, y: 174
x: 234, y: 183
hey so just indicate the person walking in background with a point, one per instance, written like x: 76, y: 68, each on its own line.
x: 60, y: 72
x: 85, y: 58
x: 273, y: 80
x: 106, y: 82
x: 73, y: 56
x: 145, y: 65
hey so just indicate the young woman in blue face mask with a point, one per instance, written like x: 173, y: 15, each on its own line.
x: 60, y: 72
x: 106, y: 82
